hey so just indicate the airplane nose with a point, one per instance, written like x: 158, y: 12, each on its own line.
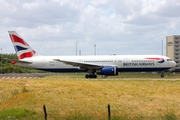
x: 173, y: 64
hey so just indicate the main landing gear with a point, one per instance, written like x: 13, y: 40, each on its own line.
x: 90, y: 76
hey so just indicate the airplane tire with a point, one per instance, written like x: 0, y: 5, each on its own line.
x: 162, y: 75
x: 90, y: 76
x: 95, y: 76
x: 87, y: 76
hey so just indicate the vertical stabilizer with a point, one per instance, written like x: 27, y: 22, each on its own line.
x: 23, y: 50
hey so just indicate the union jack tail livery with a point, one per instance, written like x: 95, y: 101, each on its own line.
x: 23, y: 50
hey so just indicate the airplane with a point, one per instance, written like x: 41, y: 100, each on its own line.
x: 105, y: 65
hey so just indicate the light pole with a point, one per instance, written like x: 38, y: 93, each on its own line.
x: 76, y: 48
x: 162, y: 47
x: 94, y: 49
x: 1, y: 60
x: 79, y: 52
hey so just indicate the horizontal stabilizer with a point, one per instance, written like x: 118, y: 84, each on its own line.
x: 17, y: 61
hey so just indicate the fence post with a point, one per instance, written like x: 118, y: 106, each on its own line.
x: 45, y: 113
x: 109, y: 112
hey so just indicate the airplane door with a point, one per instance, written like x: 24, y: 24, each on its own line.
x: 43, y: 62
x: 125, y: 60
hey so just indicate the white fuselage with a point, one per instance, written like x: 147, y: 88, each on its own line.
x: 123, y: 63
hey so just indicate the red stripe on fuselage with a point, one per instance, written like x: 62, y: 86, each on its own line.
x: 154, y: 58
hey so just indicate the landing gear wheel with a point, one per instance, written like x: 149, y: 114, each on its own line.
x: 87, y: 76
x: 162, y: 75
x: 95, y: 76
x: 90, y: 76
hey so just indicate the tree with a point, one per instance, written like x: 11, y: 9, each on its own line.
x: 8, y: 67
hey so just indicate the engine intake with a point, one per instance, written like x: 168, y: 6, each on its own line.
x: 108, y: 70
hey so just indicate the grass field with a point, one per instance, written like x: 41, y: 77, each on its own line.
x: 84, y: 99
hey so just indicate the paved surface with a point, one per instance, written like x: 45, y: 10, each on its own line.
x: 22, y: 76
x: 41, y: 75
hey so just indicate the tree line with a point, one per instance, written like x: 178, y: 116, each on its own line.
x: 8, y: 67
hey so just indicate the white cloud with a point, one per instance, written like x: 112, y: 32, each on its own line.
x: 52, y: 27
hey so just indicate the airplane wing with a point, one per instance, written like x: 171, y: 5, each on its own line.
x: 17, y: 61
x: 82, y: 65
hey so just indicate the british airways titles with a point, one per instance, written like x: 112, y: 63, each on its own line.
x: 139, y: 64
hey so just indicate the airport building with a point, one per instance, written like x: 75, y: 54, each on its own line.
x: 173, y: 49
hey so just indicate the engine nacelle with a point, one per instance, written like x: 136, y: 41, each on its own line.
x: 108, y: 70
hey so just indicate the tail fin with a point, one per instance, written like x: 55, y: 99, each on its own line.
x: 23, y: 50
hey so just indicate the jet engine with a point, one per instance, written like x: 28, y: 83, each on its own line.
x: 108, y: 70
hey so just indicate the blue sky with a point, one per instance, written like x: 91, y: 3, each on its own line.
x: 52, y: 27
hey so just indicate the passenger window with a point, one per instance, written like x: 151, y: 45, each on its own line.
x: 169, y: 59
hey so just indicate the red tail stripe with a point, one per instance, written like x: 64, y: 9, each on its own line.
x: 15, y: 38
x: 27, y: 55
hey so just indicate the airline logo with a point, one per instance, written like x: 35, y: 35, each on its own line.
x: 160, y: 60
x: 23, y: 50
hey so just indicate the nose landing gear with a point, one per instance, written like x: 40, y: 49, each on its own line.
x: 162, y: 74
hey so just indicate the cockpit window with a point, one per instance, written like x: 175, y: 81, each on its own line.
x: 169, y: 59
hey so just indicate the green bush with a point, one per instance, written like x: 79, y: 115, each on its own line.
x: 18, y: 113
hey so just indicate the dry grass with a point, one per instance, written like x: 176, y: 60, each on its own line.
x: 63, y: 98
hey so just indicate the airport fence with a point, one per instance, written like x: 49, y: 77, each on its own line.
x: 55, y: 114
